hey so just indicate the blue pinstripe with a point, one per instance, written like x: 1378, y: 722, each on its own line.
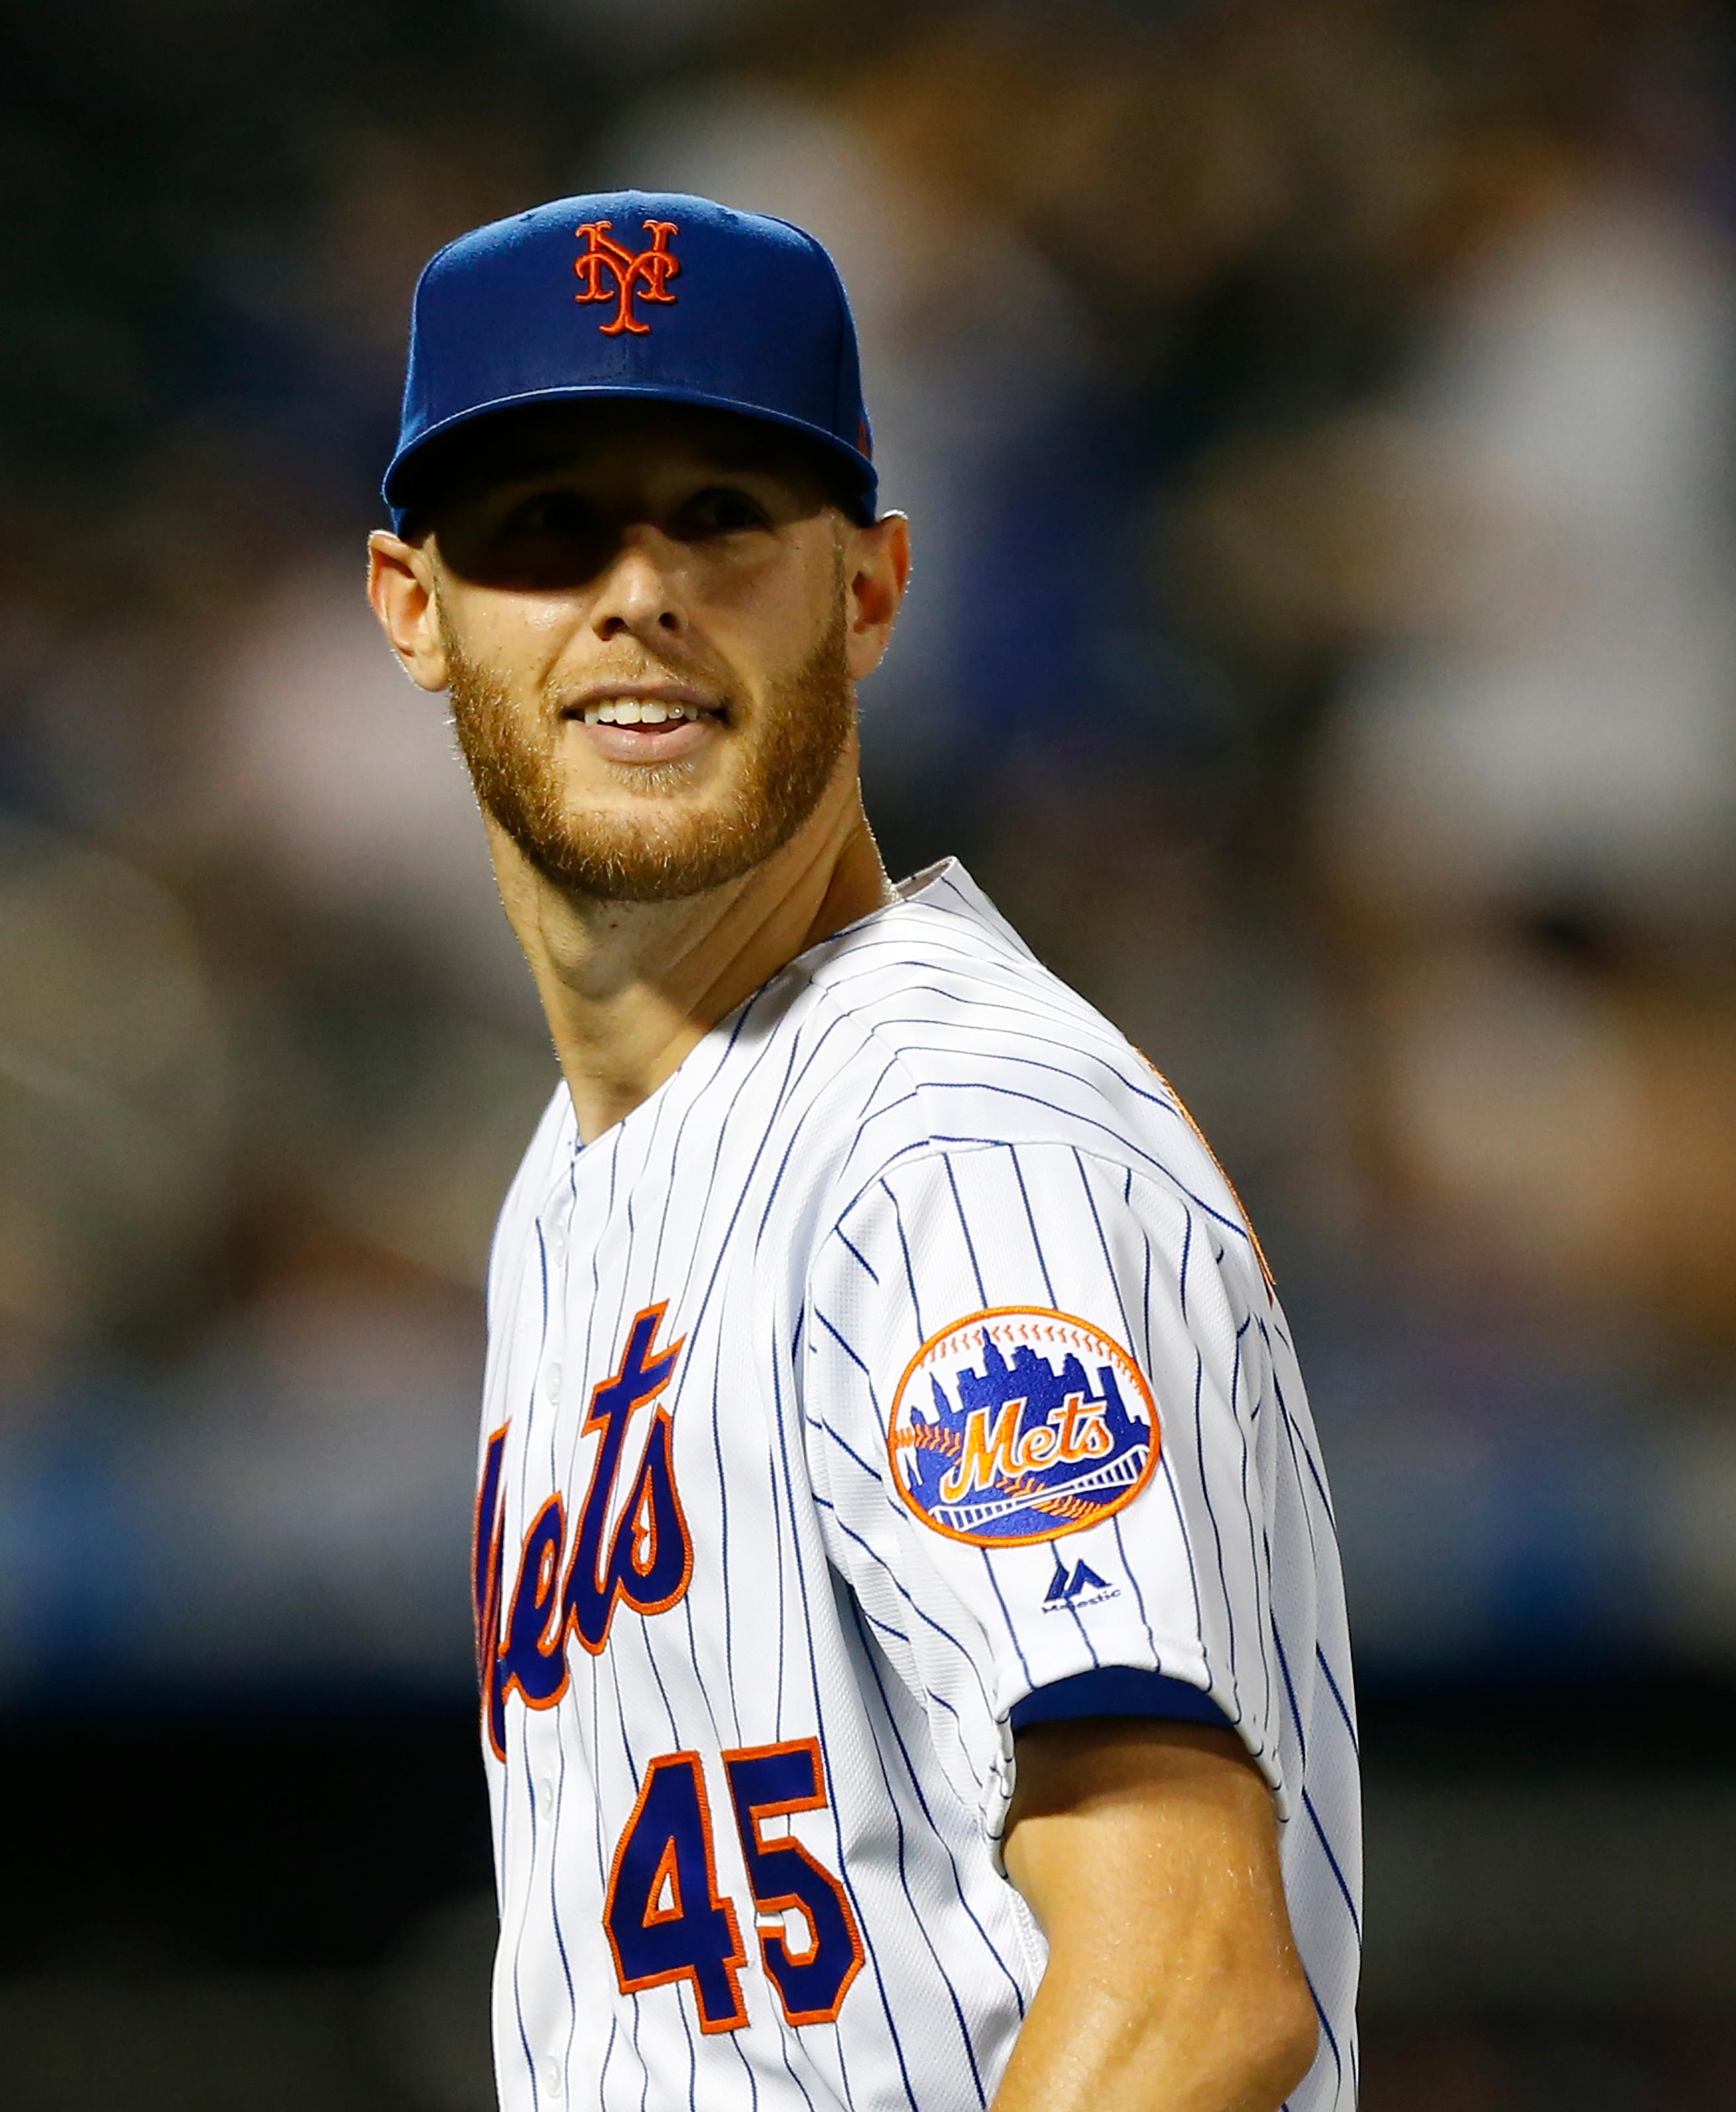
x: 1339, y: 1699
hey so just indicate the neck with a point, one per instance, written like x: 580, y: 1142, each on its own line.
x: 630, y: 988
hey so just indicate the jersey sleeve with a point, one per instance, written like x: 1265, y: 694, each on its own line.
x: 1035, y: 1382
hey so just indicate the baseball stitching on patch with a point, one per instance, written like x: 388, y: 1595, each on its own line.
x: 1016, y: 1424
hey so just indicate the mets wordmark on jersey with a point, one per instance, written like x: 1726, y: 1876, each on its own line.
x: 902, y: 1367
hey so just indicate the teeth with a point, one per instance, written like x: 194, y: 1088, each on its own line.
x: 634, y: 711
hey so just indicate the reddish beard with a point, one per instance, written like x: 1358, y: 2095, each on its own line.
x: 667, y: 850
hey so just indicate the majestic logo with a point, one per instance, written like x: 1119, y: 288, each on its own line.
x: 637, y: 1552
x: 1018, y: 1425
x: 609, y: 272
x: 1069, y: 1589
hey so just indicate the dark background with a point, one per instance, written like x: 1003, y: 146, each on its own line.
x: 1316, y: 418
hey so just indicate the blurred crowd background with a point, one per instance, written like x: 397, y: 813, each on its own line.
x: 1316, y: 417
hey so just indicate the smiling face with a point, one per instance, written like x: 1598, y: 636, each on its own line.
x: 650, y: 619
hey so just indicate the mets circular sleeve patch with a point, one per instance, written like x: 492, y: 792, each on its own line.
x: 1017, y: 1425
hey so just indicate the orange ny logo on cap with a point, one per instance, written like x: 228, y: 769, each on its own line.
x: 643, y: 276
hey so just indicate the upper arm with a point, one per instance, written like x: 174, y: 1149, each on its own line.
x: 1148, y: 1853
x: 1152, y: 1825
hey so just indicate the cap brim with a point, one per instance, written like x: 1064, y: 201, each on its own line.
x: 859, y: 481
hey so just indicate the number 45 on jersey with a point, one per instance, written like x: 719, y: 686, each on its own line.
x: 667, y: 1921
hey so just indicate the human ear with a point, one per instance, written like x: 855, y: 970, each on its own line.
x: 401, y: 586
x: 877, y: 570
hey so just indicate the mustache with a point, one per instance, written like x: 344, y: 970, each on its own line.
x: 474, y: 679
x: 561, y: 692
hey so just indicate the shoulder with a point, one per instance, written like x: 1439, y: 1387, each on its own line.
x: 940, y: 979
x: 960, y: 1041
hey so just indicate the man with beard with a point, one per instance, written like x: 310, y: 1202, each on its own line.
x: 913, y: 1662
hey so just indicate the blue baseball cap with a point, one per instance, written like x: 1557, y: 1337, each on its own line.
x: 632, y: 294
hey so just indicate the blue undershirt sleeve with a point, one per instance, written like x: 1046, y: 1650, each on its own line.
x: 1116, y: 1690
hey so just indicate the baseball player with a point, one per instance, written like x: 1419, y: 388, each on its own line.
x: 913, y: 1660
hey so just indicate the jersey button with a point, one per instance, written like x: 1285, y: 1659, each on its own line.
x: 554, y: 2076
x: 545, y: 1795
x: 552, y: 1383
x: 557, y: 1241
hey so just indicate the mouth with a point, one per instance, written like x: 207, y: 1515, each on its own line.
x: 658, y: 724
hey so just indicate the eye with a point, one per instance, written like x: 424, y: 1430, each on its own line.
x: 557, y: 513
x: 722, y: 509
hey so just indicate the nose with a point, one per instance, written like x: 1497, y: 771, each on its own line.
x: 641, y: 595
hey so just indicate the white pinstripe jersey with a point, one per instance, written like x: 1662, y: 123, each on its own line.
x: 904, y: 1355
